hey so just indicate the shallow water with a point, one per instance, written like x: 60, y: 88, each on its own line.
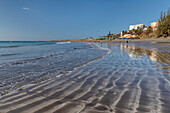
x: 27, y: 62
x: 129, y: 80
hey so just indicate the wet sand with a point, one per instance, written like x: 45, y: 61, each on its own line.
x: 128, y: 80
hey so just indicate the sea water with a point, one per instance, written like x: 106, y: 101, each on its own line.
x: 26, y: 62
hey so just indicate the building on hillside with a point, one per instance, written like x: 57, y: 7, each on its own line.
x: 127, y: 35
x: 154, y: 25
x: 121, y: 34
x: 136, y: 26
x: 145, y: 29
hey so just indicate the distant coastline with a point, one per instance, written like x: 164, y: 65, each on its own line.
x: 167, y: 40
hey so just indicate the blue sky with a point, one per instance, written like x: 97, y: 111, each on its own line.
x: 73, y: 19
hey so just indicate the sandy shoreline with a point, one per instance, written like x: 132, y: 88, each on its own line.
x: 119, y: 83
x: 118, y: 40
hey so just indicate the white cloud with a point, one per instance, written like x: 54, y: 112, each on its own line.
x: 25, y: 8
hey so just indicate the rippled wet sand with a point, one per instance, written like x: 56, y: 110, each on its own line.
x: 128, y: 80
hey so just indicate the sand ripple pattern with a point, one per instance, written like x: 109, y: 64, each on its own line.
x: 118, y: 83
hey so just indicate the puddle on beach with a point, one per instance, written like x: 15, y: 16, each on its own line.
x: 129, y: 79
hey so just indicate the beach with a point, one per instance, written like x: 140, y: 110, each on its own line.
x: 127, y: 78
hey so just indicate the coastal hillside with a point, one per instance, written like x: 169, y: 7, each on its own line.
x: 163, y: 27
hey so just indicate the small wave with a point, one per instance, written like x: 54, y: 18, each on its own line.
x: 38, y: 58
x: 8, y: 54
x: 29, y: 60
x: 30, y: 44
x: 103, y: 48
x: 63, y: 42
x: 11, y: 46
x: 44, y: 43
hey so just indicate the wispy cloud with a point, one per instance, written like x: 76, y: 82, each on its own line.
x: 26, y: 8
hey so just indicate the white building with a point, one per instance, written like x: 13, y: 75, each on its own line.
x: 145, y: 28
x: 154, y: 25
x: 121, y: 34
x: 136, y: 26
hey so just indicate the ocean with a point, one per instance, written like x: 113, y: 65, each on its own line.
x: 26, y: 62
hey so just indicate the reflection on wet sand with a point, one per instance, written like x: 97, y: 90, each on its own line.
x: 128, y: 80
x: 138, y: 52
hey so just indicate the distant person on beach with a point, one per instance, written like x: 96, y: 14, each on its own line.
x: 126, y: 41
x: 101, y: 43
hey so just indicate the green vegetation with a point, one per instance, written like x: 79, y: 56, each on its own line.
x: 113, y: 36
x: 164, y: 25
x: 101, y: 39
x: 162, y: 29
x: 147, y: 33
x: 137, y: 31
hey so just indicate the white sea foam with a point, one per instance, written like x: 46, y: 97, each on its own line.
x: 63, y: 42
x: 103, y: 48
